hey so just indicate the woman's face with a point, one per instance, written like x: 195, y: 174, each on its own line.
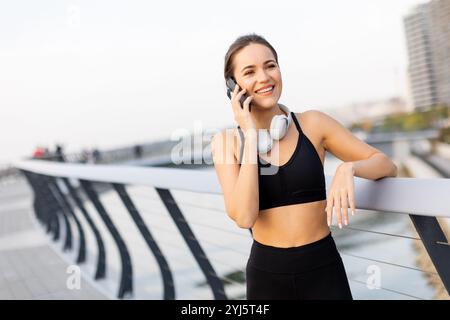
x: 255, y: 68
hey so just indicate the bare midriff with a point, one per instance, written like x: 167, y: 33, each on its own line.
x: 291, y: 226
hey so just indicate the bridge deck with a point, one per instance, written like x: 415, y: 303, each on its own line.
x: 29, y: 267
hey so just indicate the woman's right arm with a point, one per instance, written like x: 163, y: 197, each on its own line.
x: 239, y: 183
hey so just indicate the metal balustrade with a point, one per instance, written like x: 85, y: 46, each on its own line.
x: 63, y: 190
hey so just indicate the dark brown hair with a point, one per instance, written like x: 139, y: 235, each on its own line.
x: 241, y: 43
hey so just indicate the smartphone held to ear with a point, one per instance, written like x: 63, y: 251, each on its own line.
x: 230, y: 88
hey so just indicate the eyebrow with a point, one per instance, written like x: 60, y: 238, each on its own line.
x: 254, y: 65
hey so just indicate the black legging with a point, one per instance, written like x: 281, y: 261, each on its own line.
x: 312, y: 271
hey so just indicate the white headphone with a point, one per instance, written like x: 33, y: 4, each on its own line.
x: 279, y: 126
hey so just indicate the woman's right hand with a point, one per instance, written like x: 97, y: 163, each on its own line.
x: 242, y: 115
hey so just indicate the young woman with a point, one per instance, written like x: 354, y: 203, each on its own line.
x: 293, y: 255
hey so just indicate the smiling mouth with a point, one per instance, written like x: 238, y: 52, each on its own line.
x: 266, y: 91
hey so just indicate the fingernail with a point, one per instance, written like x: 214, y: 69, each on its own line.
x: 346, y: 222
x: 353, y: 212
x: 340, y: 225
x: 328, y: 222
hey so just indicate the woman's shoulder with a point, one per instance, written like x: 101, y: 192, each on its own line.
x: 226, y: 138
x: 312, y: 117
x: 311, y: 114
x: 226, y: 134
x: 311, y: 122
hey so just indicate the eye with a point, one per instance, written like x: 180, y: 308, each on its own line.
x: 270, y: 66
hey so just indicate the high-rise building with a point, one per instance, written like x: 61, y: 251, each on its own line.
x: 440, y: 43
x: 428, y: 40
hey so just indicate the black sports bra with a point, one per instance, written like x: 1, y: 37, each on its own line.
x: 299, y: 180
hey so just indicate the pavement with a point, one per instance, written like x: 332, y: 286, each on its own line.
x: 29, y: 266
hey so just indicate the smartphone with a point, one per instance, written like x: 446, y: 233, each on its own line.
x: 230, y: 88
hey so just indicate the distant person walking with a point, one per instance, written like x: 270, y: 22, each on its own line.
x: 59, y: 153
x: 137, y: 151
x: 38, y: 152
x: 96, y: 156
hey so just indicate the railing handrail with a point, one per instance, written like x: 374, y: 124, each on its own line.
x: 428, y: 197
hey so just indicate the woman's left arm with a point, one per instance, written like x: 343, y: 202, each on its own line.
x: 359, y: 159
x: 377, y: 166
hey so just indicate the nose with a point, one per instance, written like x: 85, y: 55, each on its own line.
x: 262, y: 76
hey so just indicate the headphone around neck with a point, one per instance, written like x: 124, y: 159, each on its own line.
x: 279, y: 126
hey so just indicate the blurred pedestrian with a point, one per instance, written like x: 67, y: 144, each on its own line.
x: 59, y: 153
x: 96, y: 156
x: 38, y: 152
x: 137, y: 151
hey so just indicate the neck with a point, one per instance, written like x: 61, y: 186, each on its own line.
x: 263, y: 116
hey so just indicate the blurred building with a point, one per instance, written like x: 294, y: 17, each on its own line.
x: 428, y: 40
x: 371, y: 111
x: 440, y: 42
x: 421, y: 73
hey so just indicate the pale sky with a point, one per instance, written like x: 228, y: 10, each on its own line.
x: 110, y: 73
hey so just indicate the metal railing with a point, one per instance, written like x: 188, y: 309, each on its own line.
x: 62, y: 192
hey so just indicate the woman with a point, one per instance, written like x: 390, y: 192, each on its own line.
x: 293, y: 255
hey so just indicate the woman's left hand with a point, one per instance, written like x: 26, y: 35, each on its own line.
x: 341, y: 194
